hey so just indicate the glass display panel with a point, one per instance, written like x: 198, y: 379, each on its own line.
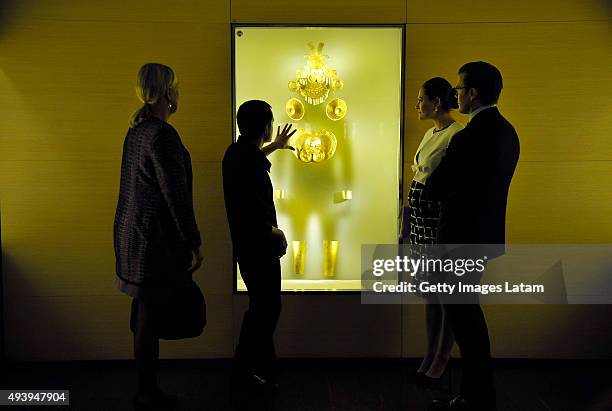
x: 341, y: 87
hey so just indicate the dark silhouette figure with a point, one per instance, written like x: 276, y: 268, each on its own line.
x: 472, y: 183
x: 257, y: 241
x: 156, y: 237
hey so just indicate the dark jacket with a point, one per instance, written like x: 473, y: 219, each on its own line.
x: 155, y: 227
x: 249, y: 201
x: 473, y: 179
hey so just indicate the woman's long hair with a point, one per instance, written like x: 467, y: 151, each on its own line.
x: 153, y: 83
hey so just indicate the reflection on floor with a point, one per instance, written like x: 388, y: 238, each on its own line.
x: 378, y: 384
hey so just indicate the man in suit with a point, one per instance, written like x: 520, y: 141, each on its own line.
x: 471, y: 183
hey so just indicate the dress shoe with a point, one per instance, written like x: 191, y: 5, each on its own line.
x: 156, y: 400
x: 460, y: 403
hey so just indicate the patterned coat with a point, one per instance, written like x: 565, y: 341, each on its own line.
x: 155, y: 227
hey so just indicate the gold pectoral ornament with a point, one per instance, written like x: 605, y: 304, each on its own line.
x: 314, y: 147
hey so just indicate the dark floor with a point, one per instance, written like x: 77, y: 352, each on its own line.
x: 353, y: 385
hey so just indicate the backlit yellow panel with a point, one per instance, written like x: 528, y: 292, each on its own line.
x: 333, y: 201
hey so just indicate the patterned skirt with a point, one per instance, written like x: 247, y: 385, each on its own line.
x: 423, y: 217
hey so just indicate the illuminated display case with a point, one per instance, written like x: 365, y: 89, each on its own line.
x: 342, y: 88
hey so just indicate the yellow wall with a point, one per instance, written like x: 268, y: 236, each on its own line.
x: 555, y: 58
x: 67, y: 71
x: 67, y: 75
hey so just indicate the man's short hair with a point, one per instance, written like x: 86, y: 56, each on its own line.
x: 485, y: 78
x: 253, y: 117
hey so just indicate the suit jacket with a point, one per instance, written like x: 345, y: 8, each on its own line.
x: 155, y: 227
x: 473, y: 179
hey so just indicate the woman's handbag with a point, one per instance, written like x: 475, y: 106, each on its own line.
x: 179, y: 311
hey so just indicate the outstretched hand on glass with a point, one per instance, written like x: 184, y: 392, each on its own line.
x: 282, y: 138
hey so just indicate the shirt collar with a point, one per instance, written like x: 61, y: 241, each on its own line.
x: 479, y: 109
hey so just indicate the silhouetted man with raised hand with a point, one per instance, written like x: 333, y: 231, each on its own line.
x: 258, y: 243
x: 472, y: 183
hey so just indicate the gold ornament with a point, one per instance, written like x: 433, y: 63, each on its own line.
x: 298, y: 258
x: 336, y: 109
x: 295, y: 109
x: 330, y: 255
x: 314, y: 147
x: 294, y: 86
x: 316, y: 80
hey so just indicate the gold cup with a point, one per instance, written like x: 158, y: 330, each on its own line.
x: 330, y: 253
x: 295, y: 109
x: 299, y: 256
x: 336, y: 109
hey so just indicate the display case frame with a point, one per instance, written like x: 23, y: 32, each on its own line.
x: 236, y: 26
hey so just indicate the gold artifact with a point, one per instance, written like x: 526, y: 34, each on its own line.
x: 299, y: 256
x: 336, y: 109
x: 295, y: 109
x: 330, y: 253
x: 316, y: 80
x: 314, y: 147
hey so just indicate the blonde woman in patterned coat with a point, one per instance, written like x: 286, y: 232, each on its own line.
x: 157, y: 241
x: 436, y: 99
